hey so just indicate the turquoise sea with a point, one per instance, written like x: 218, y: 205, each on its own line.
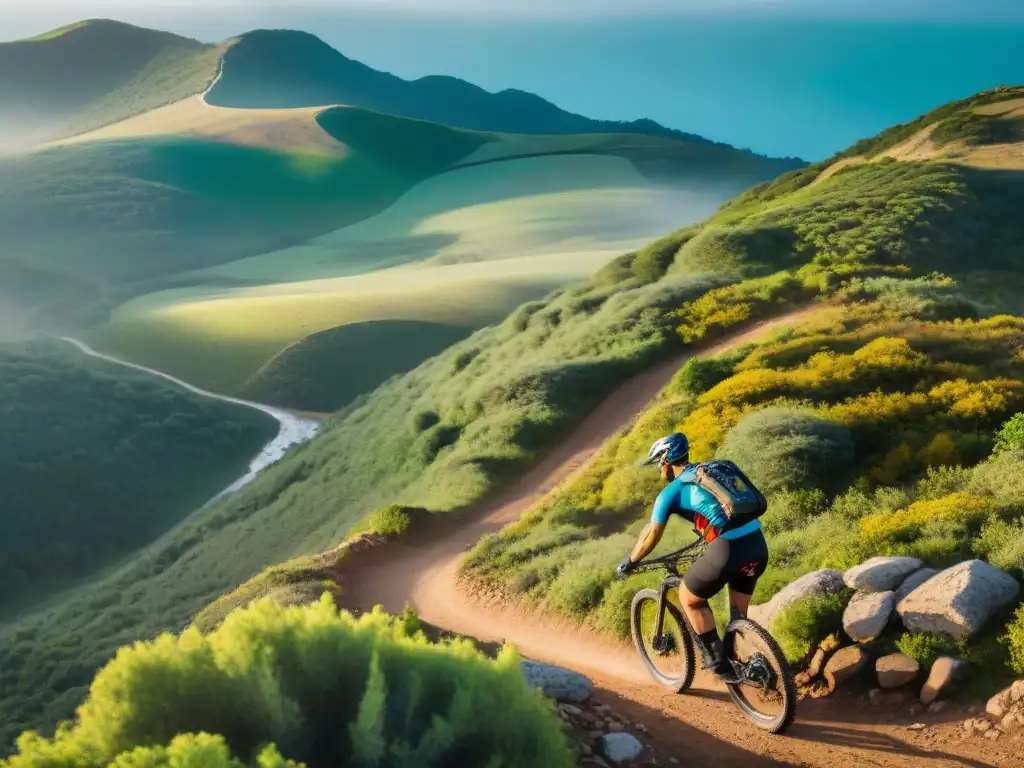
x: 780, y: 86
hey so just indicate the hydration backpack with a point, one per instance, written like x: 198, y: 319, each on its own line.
x: 739, y: 498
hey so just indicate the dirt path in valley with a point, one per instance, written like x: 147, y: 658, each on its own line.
x: 702, y: 727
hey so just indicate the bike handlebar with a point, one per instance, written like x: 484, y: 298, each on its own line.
x: 672, y: 560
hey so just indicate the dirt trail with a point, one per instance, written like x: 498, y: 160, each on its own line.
x: 703, y: 725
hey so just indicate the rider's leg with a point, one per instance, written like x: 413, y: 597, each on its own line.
x: 697, y: 610
x: 739, y: 603
x: 704, y: 579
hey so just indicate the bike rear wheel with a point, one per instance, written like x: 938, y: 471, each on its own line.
x: 766, y: 693
x: 669, y: 658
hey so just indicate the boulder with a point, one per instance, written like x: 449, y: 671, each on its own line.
x: 1017, y: 692
x: 824, y: 582
x: 557, y: 683
x: 959, y: 600
x: 844, y: 664
x: 880, y: 574
x: 944, y: 673
x: 999, y: 705
x: 867, y: 614
x: 620, y: 747
x: 913, y: 581
x: 896, y: 670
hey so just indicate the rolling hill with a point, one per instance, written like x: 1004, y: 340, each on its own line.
x: 470, y: 420
x: 92, y: 73
x: 96, y: 462
x: 205, y: 208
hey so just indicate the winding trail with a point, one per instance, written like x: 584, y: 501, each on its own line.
x: 704, y: 725
x: 293, y: 430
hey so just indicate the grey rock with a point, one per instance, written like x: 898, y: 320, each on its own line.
x: 557, y: 683
x: 944, y: 673
x: 867, y: 614
x: 913, y: 581
x: 958, y: 601
x: 880, y: 574
x: 816, y: 583
x: 936, y: 707
x: 621, y: 747
x: 896, y: 670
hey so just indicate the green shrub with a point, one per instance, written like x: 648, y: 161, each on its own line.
x: 1011, y: 436
x: 788, y: 449
x: 1014, y: 641
x: 926, y: 648
x: 391, y: 521
x: 325, y: 688
x: 800, y: 626
x: 702, y: 373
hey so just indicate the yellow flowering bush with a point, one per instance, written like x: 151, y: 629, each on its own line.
x: 958, y: 507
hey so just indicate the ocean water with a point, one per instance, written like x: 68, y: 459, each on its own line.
x: 780, y: 86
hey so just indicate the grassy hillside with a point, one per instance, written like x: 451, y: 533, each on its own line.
x: 319, y: 373
x: 95, y: 462
x: 108, y: 215
x: 93, y: 73
x: 484, y: 238
x: 278, y: 68
x: 461, y: 425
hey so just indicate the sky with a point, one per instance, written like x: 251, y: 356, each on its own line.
x: 803, y: 78
x: 924, y: 10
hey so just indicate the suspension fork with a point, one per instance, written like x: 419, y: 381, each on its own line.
x: 672, y: 582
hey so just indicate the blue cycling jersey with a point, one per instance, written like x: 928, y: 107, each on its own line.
x: 685, y: 498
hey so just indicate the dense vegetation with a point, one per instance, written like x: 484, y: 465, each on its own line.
x: 464, y: 423
x: 95, y: 462
x: 281, y: 687
x: 316, y: 373
x: 871, y: 428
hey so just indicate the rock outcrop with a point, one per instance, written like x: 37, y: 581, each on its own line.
x: 958, y: 601
x: 845, y: 664
x: 620, y: 747
x: 945, y: 672
x: 896, y: 670
x: 816, y: 583
x: 880, y: 574
x: 913, y: 581
x: 557, y: 683
x: 867, y: 614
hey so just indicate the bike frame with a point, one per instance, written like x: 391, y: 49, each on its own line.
x: 671, y: 563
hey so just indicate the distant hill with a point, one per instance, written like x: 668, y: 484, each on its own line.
x: 276, y: 68
x: 95, y: 72
x: 98, y: 72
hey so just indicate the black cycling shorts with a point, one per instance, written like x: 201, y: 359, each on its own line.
x: 736, y: 562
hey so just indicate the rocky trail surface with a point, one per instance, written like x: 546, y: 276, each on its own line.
x: 702, y: 727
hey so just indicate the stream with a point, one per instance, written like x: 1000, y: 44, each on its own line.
x: 294, y: 430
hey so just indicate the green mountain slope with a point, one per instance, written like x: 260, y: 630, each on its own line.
x: 460, y: 426
x: 277, y: 68
x: 95, y: 462
x: 95, y: 73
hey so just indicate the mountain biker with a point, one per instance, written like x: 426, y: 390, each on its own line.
x: 735, y: 555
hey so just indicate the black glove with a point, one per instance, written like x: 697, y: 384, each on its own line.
x: 625, y: 567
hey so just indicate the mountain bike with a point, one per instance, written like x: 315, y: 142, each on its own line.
x: 765, y: 693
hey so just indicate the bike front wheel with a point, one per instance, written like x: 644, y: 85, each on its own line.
x: 669, y: 657
x: 766, y: 693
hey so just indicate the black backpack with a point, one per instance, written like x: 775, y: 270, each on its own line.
x: 739, y: 498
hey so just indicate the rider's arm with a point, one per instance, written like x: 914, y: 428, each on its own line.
x: 653, y: 531
x: 649, y: 538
